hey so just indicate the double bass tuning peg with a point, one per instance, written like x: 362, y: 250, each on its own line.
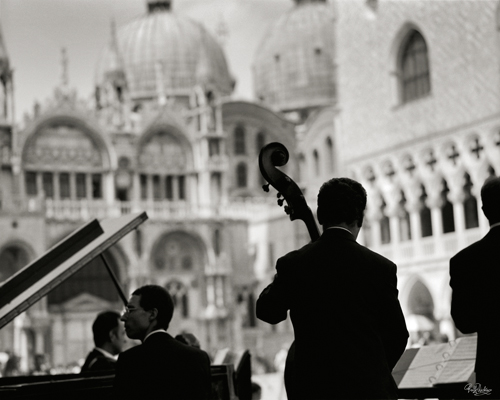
x: 280, y: 202
x: 265, y: 187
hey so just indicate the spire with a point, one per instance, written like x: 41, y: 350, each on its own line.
x: 4, y: 58
x: 159, y: 5
x: 64, y: 68
x: 221, y: 30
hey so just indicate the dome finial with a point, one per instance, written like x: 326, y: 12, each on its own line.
x: 159, y: 5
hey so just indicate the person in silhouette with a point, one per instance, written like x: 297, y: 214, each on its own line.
x: 109, y: 339
x: 343, y: 302
x: 161, y: 367
x: 475, y: 281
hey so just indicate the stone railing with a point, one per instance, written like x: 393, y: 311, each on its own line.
x: 84, y: 210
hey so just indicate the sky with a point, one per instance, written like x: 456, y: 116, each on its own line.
x: 35, y: 31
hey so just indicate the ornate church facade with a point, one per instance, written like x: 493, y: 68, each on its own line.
x: 402, y: 96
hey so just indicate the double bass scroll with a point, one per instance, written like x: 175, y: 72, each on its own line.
x: 275, y: 155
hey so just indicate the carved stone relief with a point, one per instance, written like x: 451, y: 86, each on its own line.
x: 61, y: 145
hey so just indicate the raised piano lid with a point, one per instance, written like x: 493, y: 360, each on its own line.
x: 57, y: 264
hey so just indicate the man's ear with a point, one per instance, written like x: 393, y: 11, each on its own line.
x: 319, y: 214
x: 153, y: 314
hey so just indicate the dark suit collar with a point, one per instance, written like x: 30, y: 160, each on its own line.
x: 338, y: 234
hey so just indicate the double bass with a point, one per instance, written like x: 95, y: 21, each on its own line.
x: 271, y: 156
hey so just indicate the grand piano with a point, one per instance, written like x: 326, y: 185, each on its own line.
x: 45, y: 273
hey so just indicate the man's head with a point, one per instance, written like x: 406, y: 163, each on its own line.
x: 149, y: 308
x: 108, y: 332
x: 490, y: 196
x: 341, y: 201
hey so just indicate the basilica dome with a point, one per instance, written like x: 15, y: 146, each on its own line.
x: 163, y: 52
x: 294, y: 64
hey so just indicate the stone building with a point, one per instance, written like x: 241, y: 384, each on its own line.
x: 402, y: 96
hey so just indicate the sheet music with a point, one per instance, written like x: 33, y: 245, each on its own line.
x: 425, y: 365
x: 460, y: 365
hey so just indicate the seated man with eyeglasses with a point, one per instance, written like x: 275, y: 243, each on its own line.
x: 161, y: 367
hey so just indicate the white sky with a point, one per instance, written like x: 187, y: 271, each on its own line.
x: 34, y: 31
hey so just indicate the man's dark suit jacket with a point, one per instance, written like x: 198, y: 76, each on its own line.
x: 162, y: 368
x: 348, y: 324
x: 96, y: 361
x: 475, y: 303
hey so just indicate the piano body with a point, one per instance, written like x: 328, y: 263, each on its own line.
x: 42, y: 275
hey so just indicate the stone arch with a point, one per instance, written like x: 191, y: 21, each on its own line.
x: 84, y: 145
x: 14, y: 256
x: 93, y: 278
x: 164, y: 147
x: 416, y: 299
x: 179, y: 253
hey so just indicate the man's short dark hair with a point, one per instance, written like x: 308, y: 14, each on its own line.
x: 104, y: 323
x: 490, y: 197
x: 341, y: 200
x: 154, y: 296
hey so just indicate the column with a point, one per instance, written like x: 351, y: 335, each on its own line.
x: 72, y: 185
x: 109, y: 188
x: 435, y: 203
x: 55, y: 182
x: 88, y: 184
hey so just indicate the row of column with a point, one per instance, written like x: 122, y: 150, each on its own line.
x: 374, y: 218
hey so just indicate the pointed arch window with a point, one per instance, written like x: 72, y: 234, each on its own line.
x: 316, y: 163
x: 241, y: 175
x: 414, y: 68
x: 447, y: 214
x: 404, y: 219
x: 385, y: 227
x: 329, y: 154
x: 239, y: 140
x: 470, y: 205
x: 425, y: 215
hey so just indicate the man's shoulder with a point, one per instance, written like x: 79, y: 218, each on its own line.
x: 472, y: 250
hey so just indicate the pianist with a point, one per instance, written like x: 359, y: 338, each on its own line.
x: 161, y: 367
x: 109, y: 338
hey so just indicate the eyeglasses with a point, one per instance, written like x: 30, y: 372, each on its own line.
x: 128, y: 311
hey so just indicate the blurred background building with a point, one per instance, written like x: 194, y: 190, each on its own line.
x: 402, y: 96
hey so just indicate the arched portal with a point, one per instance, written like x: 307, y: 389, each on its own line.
x: 178, y: 253
x: 12, y: 259
x: 93, y: 279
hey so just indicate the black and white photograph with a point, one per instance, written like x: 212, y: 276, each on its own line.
x: 249, y: 199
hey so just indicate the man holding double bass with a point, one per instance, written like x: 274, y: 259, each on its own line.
x: 343, y: 302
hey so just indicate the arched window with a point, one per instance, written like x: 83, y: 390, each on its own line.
x: 425, y: 215
x: 216, y: 241
x: 470, y: 204
x: 414, y: 68
x: 241, y: 175
x: 12, y: 259
x: 260, y: 141
x: 329, y: 155
x: 447, y: 215
x: 404, y: 219
x: 239, y: 140
x: 179, y: 296
x: 316, y: 162
x: 385, y: 227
